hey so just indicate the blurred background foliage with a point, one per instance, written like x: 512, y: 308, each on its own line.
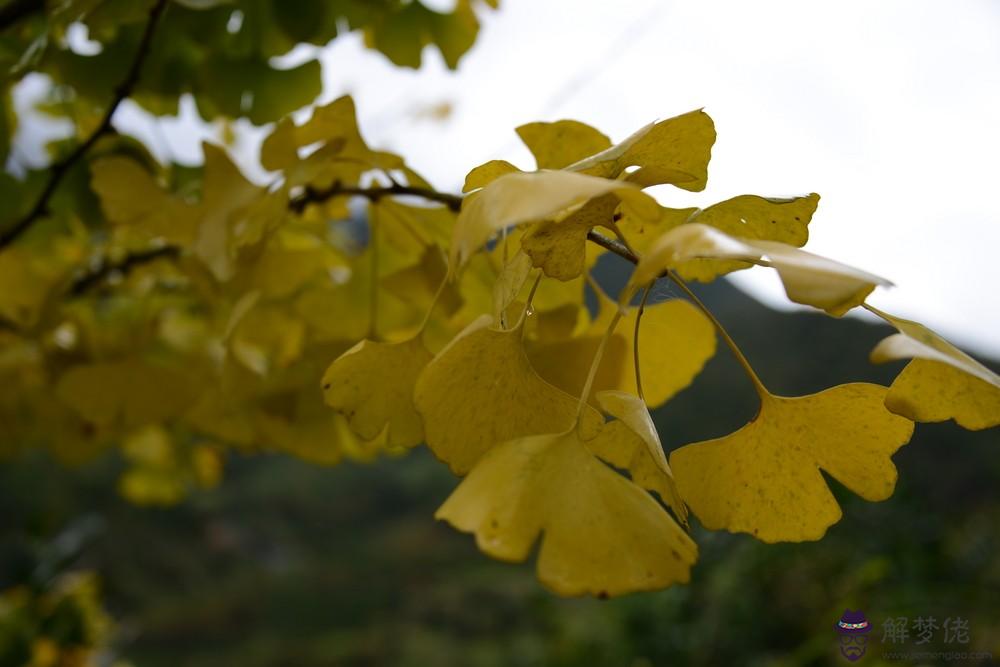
x: 291, y: 563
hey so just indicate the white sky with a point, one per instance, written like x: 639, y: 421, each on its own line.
x: 888, y: 108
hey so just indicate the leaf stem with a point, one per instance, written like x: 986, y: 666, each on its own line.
x: 635, y: 342
x: 527, y: 303
x: 730, y: 343
x: 598, y: 355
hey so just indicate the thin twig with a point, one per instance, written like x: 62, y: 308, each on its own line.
x: 314, y: 196
x: 124, y: 266
x: 59, y: 170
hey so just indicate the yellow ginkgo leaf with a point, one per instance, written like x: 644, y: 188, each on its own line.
x: 808, y: 279
x: 765, y: 478
x: 486, y: 173
x: 372, y: 385
x: 674, y: 151
x: 480, y: 390
x: 556, y: 145
x: 559, y: 246
x: 941, y: 382
x: 130, y: 393
x: 25, y: 285
x: 752, y: 217
x: 514, y: 199
x: 411, y: 229
x: 933, y: 391
x: 419, y: 283
x: 676, y: 340
x: 130, y: 196
x: 644, y: 459
x: 600, y: 534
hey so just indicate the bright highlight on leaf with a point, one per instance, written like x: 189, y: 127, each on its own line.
x: 480, y: 390
x: 765, y: 479
x: 517, y: 198
x: 808, y: 279
x: 600, y: 534
x: 372, y: 385
x: 941, y: 382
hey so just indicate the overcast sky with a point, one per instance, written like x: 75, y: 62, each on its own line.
x: 888, y: 108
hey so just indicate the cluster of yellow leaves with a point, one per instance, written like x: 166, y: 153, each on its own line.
x: 469, y: 331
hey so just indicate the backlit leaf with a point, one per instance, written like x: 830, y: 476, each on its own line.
x: 517, y: 198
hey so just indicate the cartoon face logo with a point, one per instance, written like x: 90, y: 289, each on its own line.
x: 853, y: 628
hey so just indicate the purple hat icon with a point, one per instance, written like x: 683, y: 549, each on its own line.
x: 853, y: 623
x: 853, y: 628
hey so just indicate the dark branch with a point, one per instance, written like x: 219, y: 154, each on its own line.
x: 59, y: 170
x: 612, y: 245
x: 314, y: 196
x: 17, y: 10
x: 91, y: 279
x: 106, y: 269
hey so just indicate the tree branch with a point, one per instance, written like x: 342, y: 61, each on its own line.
x: 106, y: 269
x: 298, y: 204
x: 59, y: 170
x: 314, y: 196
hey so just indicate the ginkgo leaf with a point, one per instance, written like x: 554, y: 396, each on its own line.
x: 486, y: 173
x: 808, y: 279
x: 676, y: 340
x: 412, y: 228
x: 130, y: 196
x: 645, y: 459
x: 131, y: 392
x: 941, y: 382
x: 600, y: 534
x: 674, y: 151
x: 559, y: 144
x: 480, y: 390
x: 933, y: 391
x: 752, y: 217
x: 514, y: 199
x: 372, y: 385
x: 559, y: 246
x: 25, y: 286
x: 765, y: 478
